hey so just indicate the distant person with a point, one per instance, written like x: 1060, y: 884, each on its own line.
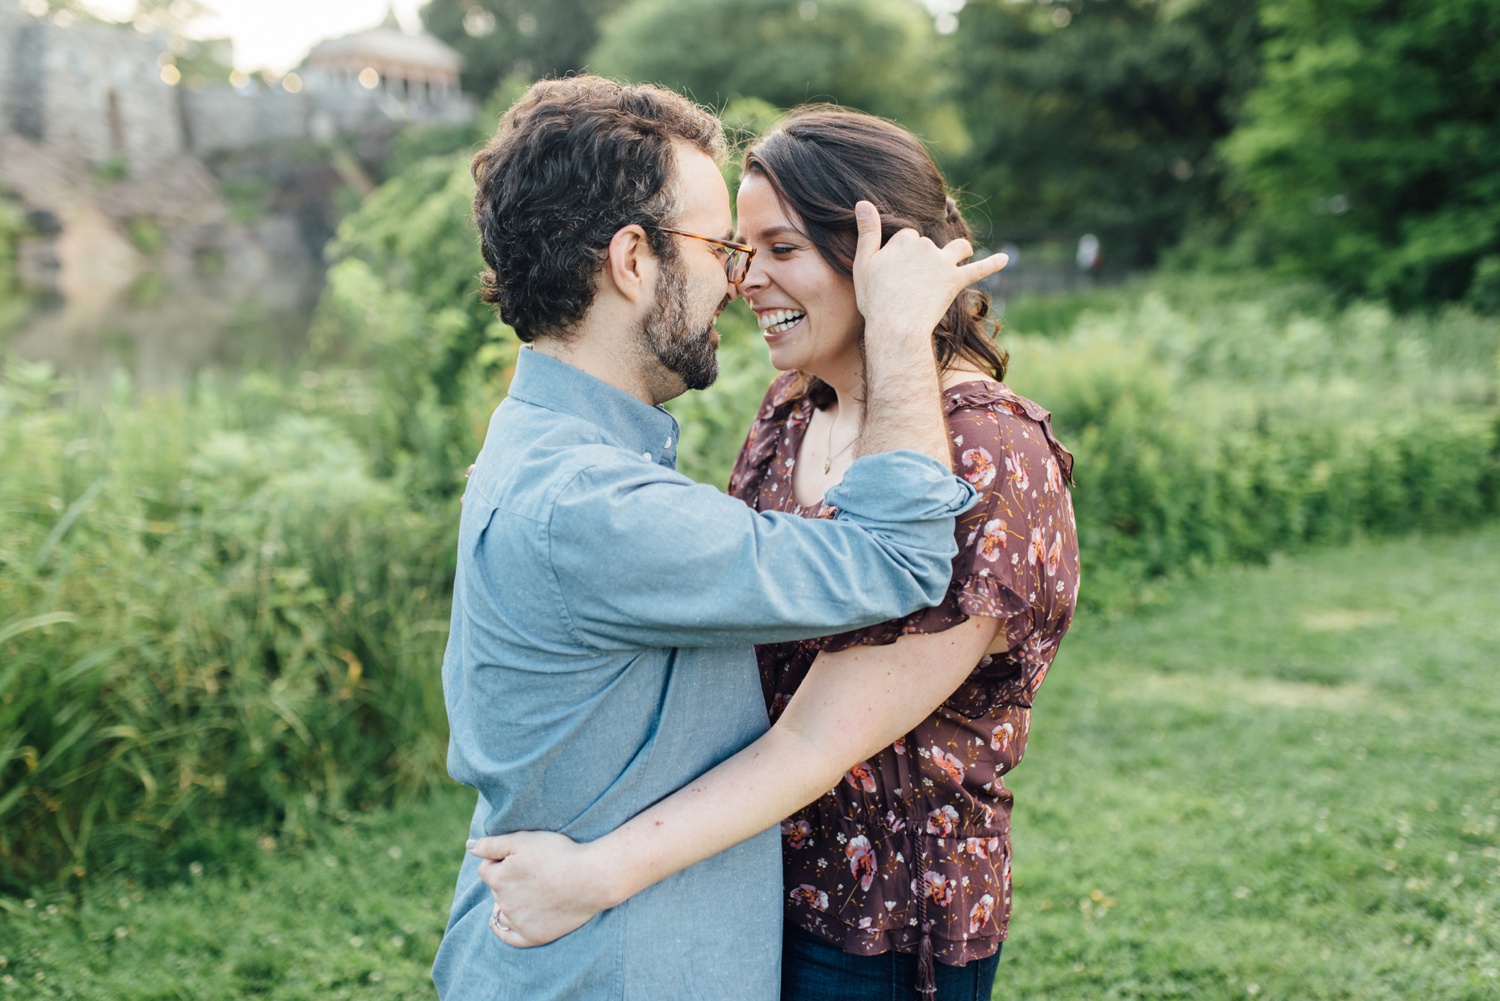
x: 896, y: 878
x: 604, y: 605
x: 1089, y: 258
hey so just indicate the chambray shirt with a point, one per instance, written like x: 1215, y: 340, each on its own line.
x: 600, y: 658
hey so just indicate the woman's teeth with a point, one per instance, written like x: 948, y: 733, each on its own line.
x: 775, y: 321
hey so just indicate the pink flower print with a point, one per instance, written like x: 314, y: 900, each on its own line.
x: 1016, y: 467
x: 978, y: 467
x: 1054, y: 554
x: 811, y: 896
x: 1038, y: 550
x: 979, y: 916
x: 796, y: 832
x: 994, y: 539
x: 861, y: 777
x: 939, y: 888
x: 948, y: 763
x: 942, y: 821
x: 1054, y: 476
x: 899, y: 746
x: 865, y: 923
x: 778, y: 705
x: 894, y: 821
x: 978, y: 847
x: 1001, y: 736
x: 861, y: 860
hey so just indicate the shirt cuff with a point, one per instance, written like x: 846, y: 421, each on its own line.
x: 902, y: 485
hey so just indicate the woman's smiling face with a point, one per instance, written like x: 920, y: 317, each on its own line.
x: 806, y: 309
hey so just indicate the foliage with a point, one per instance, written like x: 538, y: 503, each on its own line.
x: 214, y: 621
x: 402, y: 300
x: 1261, y: 785
x: 1208, y: 432
x: 12, y: 228
x: 877, y: 55
x: 524, y: 38
x: 1372, y: 150
x: 1100, y: 117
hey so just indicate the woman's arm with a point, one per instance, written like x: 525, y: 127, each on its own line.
x: 852, y: 704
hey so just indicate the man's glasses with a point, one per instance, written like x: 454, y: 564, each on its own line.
x: 737, y: 259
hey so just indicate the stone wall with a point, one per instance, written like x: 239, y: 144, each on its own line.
x: 91, y: 90
x: 223, y: 118
x: 94, y: 91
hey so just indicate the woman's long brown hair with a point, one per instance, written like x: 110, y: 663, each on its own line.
x: 821, y: 159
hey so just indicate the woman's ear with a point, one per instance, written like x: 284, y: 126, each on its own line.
x: 629, y: 264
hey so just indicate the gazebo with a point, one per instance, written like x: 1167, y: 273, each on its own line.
x: 409, y: 67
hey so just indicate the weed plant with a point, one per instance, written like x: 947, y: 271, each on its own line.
x: 214, y: 622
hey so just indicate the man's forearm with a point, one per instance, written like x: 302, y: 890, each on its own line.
x: 903, y: 398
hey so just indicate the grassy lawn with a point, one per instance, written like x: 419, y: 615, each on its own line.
x: 1277, y: 782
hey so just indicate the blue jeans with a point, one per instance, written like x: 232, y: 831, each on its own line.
x: 813, y: 970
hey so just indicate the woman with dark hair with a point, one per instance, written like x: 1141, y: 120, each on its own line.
x: 899, y: 875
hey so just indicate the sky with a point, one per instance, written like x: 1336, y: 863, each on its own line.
x: 276, y: 34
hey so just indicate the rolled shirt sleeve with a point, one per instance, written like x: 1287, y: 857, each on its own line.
x: 645, y: 557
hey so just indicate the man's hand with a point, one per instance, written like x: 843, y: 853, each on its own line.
x: 904, y: 288
x: 544, y: 885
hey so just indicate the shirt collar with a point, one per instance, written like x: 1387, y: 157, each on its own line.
x: 546, y: 382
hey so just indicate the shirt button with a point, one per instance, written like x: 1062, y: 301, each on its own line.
x: 646, y: 456
x: 669, y: 442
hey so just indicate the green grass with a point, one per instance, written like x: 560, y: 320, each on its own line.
x: 1275, y: 782
x: 356, y: 914
x: 1278, y: 782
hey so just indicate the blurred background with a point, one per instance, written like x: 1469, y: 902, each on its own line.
x: 1255, y: 274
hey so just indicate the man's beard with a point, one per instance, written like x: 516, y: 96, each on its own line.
x: 669, y: 333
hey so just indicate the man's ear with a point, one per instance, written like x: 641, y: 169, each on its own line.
x: 629, y: 263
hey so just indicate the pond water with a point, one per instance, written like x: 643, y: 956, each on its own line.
x: 164, y: 334
x: 162, y: 347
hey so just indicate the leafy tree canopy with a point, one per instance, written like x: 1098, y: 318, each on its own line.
x: 523, y: 38
x: 880, y: 56
x: 1101, y: 115
x: 1372, y: 151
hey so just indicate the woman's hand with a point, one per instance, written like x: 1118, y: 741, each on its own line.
x: 545, y: 885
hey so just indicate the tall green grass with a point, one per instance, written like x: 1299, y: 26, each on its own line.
x: 214, y: 622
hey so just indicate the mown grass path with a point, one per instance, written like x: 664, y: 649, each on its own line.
x: 1275, y: 782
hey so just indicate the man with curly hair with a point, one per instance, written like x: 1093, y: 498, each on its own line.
x: 605, y: 605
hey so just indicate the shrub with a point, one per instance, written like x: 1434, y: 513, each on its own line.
x: 214, y: 622
x: 1213, y: 433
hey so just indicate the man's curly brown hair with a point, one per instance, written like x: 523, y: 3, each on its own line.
x: 573, y: 161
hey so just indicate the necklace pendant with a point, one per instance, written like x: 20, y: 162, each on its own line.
x: 827, y: 465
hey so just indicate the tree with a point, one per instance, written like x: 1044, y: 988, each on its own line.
x: 524, y: 38
x: 1372, y: 150
x: 1101, y: 116
x: 876, y: 55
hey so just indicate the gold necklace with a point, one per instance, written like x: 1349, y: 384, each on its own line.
x: 828, y: 462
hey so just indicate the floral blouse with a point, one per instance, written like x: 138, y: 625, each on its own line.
x: 919, y: 835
